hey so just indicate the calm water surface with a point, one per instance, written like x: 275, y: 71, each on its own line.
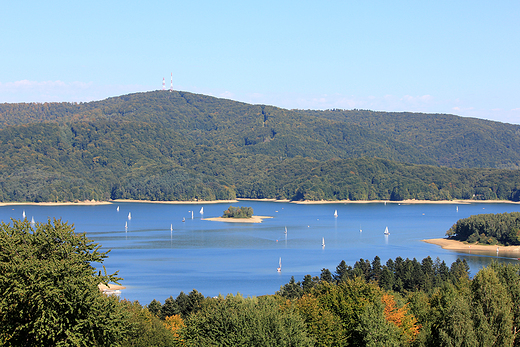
x: 216, y: 257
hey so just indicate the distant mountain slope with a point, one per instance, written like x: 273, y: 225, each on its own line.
x: 452, y: 141
x: 443, y: 140
x: 181, y: 146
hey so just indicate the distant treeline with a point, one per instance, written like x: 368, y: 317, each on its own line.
x: 491, y: 229
x: 183, y: 146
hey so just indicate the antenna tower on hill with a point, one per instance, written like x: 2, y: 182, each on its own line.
x: 163, y: 84
x: 171, y: 83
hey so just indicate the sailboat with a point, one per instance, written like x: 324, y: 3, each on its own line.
x: 126, y: 225
x: 386, y: 231
x: 286, y: 230
x: 323, y: 242
x: 279, y: 269
x: 23, y: 214
x: 191, y: 214
x: 457, y: 209
x: 171, y: 227
x: 336, y: 213
x: 202, y: 210
x: 129, y: 215
x: 32, y: 220
x: 117, y: 209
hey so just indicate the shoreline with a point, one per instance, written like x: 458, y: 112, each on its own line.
x: 175, y: 202
x: 112, y: 202
x: 475, y: 248
x: 304, y: 202
x: 91, y: 202
x: 253, y: 219
x: 405, y: 202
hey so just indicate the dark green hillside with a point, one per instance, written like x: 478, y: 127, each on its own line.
x: 451, y: 140
x: 182, y: 146
x: 434, y: 139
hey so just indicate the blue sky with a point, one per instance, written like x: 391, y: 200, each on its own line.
x: 459, y: 57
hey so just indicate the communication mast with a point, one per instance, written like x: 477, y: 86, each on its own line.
x: 171, y: 83
x: 163, y: 84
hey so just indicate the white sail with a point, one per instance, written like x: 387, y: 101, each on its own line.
x: 286, y: 230
x: 191, y: 214
x: 126, y: 225
x: 117, y: 209
x: 23, y: 214
x: 32, y: 220
x: 323, y: 242
x: 280, y: 265
x: 335, y: 213
x: 386, y: 231
x: 202, y: 210
x: 129, y: 215
x: 171, y: 227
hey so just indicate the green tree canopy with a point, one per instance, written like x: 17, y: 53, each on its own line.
x: 49, y: 291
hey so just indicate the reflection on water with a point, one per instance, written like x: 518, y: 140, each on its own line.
x: 163, y: 249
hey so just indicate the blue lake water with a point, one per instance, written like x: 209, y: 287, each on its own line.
x: 221, y: 258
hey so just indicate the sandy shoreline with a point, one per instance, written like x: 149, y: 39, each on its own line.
x: 308, y: 202
x: 177, y: 202
x: 406, y: 202
x: 253, y: 219
x: 93, y: 202
x: 458, y: 246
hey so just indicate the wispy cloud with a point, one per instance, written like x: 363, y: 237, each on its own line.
x: 60, y: 91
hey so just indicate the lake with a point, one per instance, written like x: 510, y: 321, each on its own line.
x: 220, y: 258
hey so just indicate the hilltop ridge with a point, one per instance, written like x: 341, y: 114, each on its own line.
x: 165, y: 145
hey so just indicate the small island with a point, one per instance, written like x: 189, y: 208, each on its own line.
x: 238, y: 215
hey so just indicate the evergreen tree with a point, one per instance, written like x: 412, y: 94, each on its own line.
x: 155, y: 307
x: 326, y: 275
x: 169, y: 308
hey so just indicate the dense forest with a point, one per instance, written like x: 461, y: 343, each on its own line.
x: 489, y: 229
x: 49, y: 296
x: 180, y: 146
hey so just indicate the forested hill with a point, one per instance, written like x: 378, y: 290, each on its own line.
x: 452, y: 140
x: 165, y: 145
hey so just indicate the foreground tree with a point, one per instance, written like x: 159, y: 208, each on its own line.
x: 49, y: 290
x: 238, y: 321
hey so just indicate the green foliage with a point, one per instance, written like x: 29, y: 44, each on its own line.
x: 182, y: 146
x: 49, y: 290
x: 376, y: 329
x: 503, y: 228
x: 238, y: 212
x: 237, y: 321
x: 145, y: 328
x: 353, y: 309
x: 492, y: 306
